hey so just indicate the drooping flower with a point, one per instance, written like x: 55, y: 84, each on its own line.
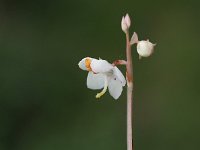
x: 125, y: 23
x: 144, y: 48
x: 103, y: 75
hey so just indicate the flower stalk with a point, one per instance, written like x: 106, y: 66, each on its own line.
x: 129, y: 76
x: 103, y: 75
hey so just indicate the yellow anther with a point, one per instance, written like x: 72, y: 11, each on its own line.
x: 87, y: 64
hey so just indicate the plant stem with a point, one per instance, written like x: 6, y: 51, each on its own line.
x: 129, y: 76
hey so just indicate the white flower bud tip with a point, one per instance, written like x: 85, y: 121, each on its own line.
x: 127, y: 20
x: 145, y: 48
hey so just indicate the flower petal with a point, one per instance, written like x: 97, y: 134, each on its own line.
x: 127, y: 20
x: 124, y: 25
x: 100, y: 66
x: 117, y: 73
x: 95, y: 81
x: 115, y: 88
x: 82, y: 63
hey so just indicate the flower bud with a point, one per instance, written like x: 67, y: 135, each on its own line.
x: 145, y: 48
x: 125, y: 23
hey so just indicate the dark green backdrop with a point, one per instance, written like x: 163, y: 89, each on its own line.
x: 44, y: 102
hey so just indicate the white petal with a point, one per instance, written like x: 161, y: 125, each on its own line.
x: 100, y: 66
x: 115, y: 88
x: 81, y: 64
x: 117, y: 73
x: 124, y: 25
x: 127, y: 20
x: 95, y: 81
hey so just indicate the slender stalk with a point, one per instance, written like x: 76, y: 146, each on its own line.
x: 129, y: 76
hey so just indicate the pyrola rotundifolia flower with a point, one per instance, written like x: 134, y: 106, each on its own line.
x: 144, y: 48
x: 125, y: 23
x: 103, y: 75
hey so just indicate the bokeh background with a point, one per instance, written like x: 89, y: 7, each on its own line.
x: 44, y: 102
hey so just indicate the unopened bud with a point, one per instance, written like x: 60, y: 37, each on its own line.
x: 145, y: 48
x: 125, y: 23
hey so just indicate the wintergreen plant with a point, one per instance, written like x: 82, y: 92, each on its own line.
x: 104, y: 75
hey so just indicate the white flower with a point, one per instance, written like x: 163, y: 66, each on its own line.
x: 125, y: 23
x: 103, y: 75
x: 144, y: 48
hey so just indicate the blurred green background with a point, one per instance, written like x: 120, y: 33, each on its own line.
x: 44, y: 101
